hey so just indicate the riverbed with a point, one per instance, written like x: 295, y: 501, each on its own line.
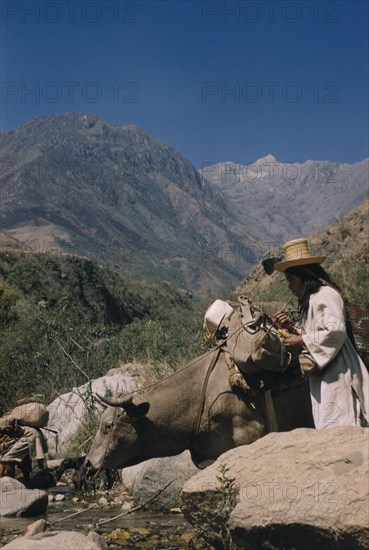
x: 136, y: 531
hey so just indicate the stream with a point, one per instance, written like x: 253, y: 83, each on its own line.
x: 137, y: 530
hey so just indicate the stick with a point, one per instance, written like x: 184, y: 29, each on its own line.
x: 281, y: 311
x: 102, y: 522
x: 286, y: 304
x: 76, y: 343
x: 72, y: 360
x: 50, y: 430
x: 87, y: 440
x: 94, y: 505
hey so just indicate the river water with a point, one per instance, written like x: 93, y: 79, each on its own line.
x: 137, y: 530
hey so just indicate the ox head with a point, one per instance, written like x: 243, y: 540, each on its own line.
x: 120, y: 439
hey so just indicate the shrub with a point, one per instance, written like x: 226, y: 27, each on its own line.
x: 65, y: 316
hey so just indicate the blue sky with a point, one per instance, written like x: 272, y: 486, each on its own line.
x: 217, y: 80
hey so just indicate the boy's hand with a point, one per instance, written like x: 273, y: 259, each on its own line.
x: 282, y: 320
x: 294, y: 341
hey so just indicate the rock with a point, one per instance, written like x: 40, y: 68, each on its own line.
x: 103, y: 501
x: 58, y: 540
x: 96, y: 539
x: 16, y: 500
x: 54, y: 464
x: 302, y: 489
x: 126, y: 507
x: 129, y: 475
x: 66, y: 411
x: 120, y: 535
x: 38, y: 526
x: 156, y: 473
x: 59, y: 497
x: 119, y: 499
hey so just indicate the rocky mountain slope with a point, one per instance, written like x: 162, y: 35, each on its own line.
x: 77, y: 183
x: 285, y: 201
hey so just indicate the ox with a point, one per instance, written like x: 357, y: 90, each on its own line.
x: 193, y: 409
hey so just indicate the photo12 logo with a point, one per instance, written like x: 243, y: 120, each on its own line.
x: 69, y: 11
x: 285, y: 494
x: 237, y: 252
x: 70, y: 173
x: 270, y: 171
x: 269, y: 92
x: 227, y: 12
x: 69, y: 92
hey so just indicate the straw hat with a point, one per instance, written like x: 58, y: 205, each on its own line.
x: 297, y: 253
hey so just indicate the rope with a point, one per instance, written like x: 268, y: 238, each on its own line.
x: 196, y: 424
x: 202, y: 398
x: 148, y: 386
x: 218, y: 346
x: 217, y: 349
x: 236, y: 378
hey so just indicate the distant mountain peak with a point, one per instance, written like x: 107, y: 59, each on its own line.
x: 267, y: 158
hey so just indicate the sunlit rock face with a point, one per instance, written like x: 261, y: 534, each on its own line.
x: 302, y: 489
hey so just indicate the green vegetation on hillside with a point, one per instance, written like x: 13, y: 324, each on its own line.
x: 65, y: 317
x: 351, y: 276
x: 354, y: 279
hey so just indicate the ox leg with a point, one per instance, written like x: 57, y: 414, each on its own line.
x: 7, y: 469
x: 199, y: 461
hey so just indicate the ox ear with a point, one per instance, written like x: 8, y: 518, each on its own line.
x: 135, y: 411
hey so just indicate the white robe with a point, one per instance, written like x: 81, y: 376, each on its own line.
x: 340, y: 389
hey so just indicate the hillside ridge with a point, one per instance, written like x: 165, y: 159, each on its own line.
x: 80, y: 184
x: 345, y: 244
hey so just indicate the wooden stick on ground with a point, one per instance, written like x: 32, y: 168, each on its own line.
x: 94, y: 505
x: 104, y: 521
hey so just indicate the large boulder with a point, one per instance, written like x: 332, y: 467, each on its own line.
x: 16, y: 500
x: 66, y: 412
x: 150, y: 477
x: 301, y: 489
x: 58, y: 540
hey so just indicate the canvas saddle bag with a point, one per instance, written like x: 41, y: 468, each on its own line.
x: 35, y: 415
x: 253, y: 343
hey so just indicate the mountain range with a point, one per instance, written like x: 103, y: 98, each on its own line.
x: 74, y: 182
x: 78, y: 184
x: 288, y: 200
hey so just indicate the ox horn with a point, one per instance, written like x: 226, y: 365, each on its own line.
x: 98, y: 400
x: 122, y: 403
x: 132, y: 410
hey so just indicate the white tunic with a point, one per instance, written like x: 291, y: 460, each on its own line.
x: 340, y: 390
